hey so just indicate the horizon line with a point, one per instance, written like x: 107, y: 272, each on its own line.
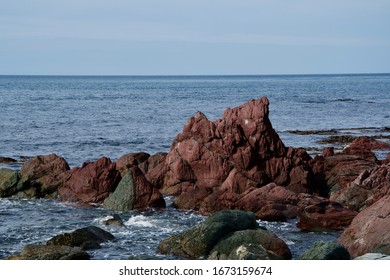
x: 191, y: 75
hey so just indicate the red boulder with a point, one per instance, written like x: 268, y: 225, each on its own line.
x: 91, y: 183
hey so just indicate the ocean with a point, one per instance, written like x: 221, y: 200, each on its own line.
x: 83, y: 118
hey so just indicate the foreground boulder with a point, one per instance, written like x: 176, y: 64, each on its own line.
x: 91, y: 183
x: 199, y: 241
x: 229, y: 156
x: 369, y: 230
x: 51, y: 252
x: 326, y: 251
x: 229, y: 247
x: 86, y: 238
x: 320, y: 214
x: 134, y: 192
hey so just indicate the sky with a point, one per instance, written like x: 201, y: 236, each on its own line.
x: 194, y: 37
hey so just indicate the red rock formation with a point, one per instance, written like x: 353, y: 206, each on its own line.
x: 227, y: 157
x: 319, y: 214
x: 91, y: 183
x: 369, y: 230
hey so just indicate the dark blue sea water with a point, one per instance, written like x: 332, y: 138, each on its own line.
x: 82, y: 118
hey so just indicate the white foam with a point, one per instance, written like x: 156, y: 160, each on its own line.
x: 140, y: 221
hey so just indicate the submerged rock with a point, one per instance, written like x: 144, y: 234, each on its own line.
x: 7, y: 160
x: 86, y: 238
x: 114, y: 221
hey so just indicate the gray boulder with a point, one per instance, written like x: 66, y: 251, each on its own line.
x: 200, y: 240
x: 86, y: 238
x: 259, y: 244
x: 326, y: 251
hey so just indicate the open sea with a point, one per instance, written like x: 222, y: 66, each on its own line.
x: 83, y: 118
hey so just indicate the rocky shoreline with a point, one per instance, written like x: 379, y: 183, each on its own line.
x: 238, y: 163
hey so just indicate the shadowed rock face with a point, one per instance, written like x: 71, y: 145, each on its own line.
x: 229, y: 156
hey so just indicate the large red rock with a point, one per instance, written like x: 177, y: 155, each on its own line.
x: 369, y: 230
x: 44, y: 174
x: 320, y: 214
x: 91, y: 183
x: 366, y: 189
x: 229, y: 156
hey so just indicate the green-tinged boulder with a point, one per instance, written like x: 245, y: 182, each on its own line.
x: 134, y: 191
x: 326, y: 251
x: 122, y: 199
x: 8, y: 182
x: 200, y: 240
x: 262, y: 243
x: 50, y: 252
x: 87, y: 238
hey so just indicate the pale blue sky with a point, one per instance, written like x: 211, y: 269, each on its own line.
x: 165, y: 37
